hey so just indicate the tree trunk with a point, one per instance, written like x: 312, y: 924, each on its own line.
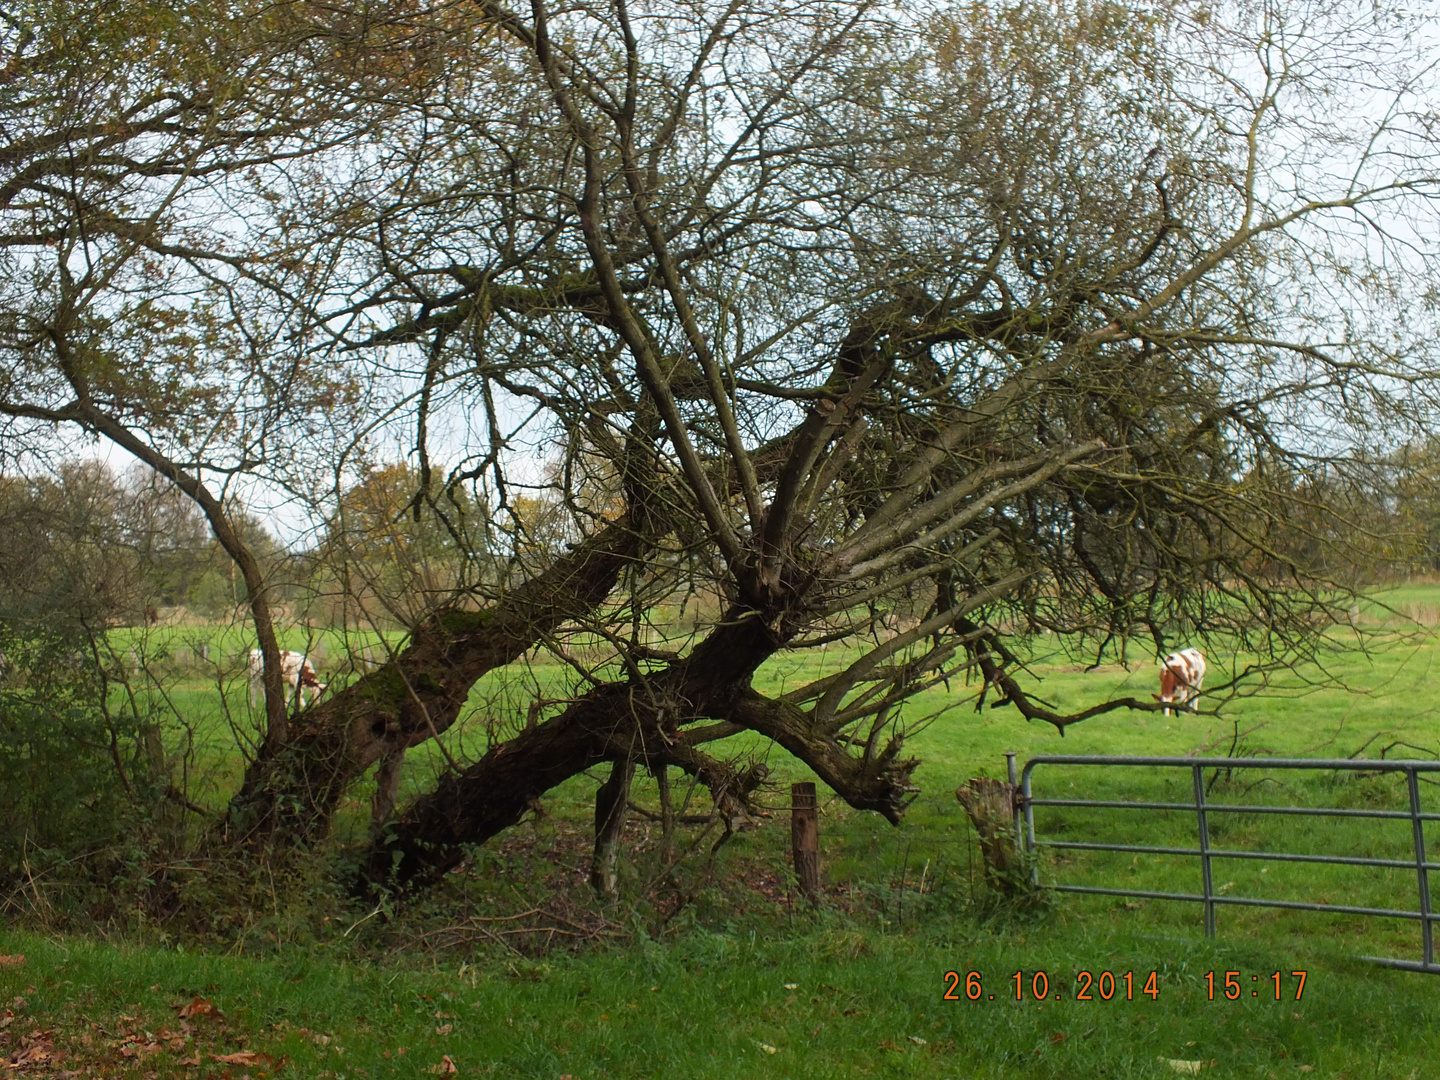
x: 610, y: 808
x: 469, y: 807
x: 290, y: 792
x: 652, y: 720
x: 667, y: 815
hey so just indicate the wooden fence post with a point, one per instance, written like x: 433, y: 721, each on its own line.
x: 805, y: 840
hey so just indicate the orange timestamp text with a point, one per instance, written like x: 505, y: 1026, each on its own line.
x: 1087, y: 986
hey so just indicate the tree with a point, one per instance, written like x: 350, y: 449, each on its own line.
x: 81, y: 755
x: 920, y: 330
x: 929, y: 330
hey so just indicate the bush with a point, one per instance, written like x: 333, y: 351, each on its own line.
x: 78, y: 774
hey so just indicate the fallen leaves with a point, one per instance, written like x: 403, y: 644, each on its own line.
x: 11, y: 961
x: 247, y: 1057
x: 201, y: 1007
x: 37, y: 1051
x: 445, y: 1066
x: 136, y: 1049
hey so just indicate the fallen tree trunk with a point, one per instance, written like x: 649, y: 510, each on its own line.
x: 637, y: 721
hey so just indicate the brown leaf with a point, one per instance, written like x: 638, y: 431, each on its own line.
x: 11, y: 961
x: 445, y: 1066
x: 36, y: 1055
x: 197, y: 1007
x: 244, y: 1057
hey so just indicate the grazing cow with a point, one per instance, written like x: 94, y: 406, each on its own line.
x: 295, y: 670
x: 1181, y: 675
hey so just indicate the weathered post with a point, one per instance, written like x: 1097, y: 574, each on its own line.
x: 805, y: 840
x: 992, y: 809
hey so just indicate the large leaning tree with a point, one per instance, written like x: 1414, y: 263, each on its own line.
x: 923, y: 331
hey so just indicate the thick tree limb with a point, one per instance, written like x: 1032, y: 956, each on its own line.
x: 420, y: 692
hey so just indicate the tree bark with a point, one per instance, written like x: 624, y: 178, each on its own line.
x: 289, y: 793
x: 387, y: 787
x: 990, y: 805
x: 610, y: 806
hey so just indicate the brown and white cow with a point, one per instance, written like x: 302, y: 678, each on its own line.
x: 295, y: 671
x: 1181, y: 676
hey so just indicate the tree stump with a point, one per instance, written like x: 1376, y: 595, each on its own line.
x: 990, y: 805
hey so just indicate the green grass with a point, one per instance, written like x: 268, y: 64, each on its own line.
x: 824, y: 1002
x: 869, y: 975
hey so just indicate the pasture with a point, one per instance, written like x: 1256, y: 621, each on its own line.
x: 737, y: 980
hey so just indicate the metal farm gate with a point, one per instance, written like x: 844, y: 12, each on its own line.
x: 1207, y: 854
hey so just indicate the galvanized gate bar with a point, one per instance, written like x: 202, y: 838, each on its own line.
x: 1202, y: 809
x: 1205, y: 879
x: 1231, y: 853
x: 1421, y: 867
x: 1345, y: 764
x: 1236, y: 808
x: 1248, y: 901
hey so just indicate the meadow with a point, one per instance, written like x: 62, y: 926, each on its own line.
x: 741, y: 980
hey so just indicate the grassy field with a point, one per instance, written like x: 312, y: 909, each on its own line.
x: 741, y: 983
